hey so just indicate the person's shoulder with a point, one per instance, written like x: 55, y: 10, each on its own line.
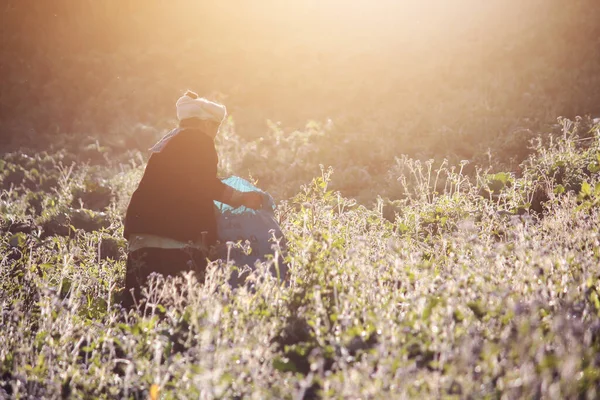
x: 191, y: 137
x: 182, y: 142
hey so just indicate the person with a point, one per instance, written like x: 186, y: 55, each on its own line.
x: 170, y: 222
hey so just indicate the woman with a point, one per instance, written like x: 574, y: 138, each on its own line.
x: 170, y: 222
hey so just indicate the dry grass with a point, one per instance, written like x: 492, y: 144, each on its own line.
x: 454, y: 287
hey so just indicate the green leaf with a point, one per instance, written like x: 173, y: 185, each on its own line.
x: 403, y: 228
x: 502, y: 177
x: 595, y: 300
x: 477, y: 309
x: 458, y: 316
x: 284, y: 365
x: 593, y: 167
x: 586, y: 189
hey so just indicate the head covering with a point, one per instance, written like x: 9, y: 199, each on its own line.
x: 191, y: 106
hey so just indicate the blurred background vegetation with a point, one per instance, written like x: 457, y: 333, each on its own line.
x: 461, y: 80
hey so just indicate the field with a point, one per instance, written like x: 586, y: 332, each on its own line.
x: 442, y: 216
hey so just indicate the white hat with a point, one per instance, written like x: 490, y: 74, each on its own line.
x: 191, y: 106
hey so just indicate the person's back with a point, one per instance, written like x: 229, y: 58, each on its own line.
x: 175, y: 196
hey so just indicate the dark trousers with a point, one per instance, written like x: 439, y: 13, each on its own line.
x: 168, y: 262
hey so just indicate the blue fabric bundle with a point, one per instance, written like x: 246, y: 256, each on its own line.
x: 244, y: 224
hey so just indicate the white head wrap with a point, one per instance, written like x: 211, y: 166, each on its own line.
x: 189, y: 107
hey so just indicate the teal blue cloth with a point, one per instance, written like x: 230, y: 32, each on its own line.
x: 259, y: 227
x: 243, y: 185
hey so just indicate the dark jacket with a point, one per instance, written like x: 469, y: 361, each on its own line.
x: 175, y: 196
